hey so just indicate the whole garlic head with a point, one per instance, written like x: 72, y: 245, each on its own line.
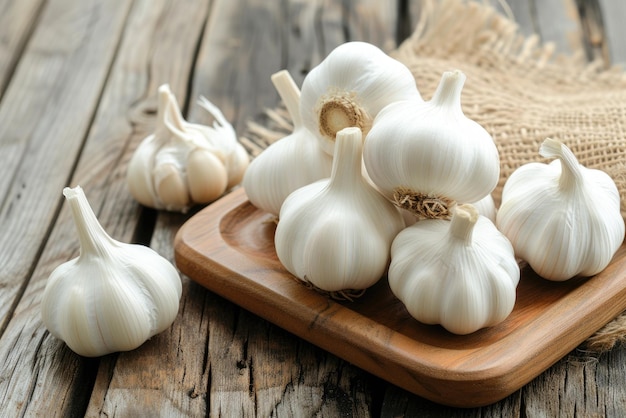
x: 113, y: 296
x: 182, y: 163
x: 428, y: 156
x: 460, y: 273
x: 336, y: 233
x: 562, y: 218
x: 289, y: 163
x: 349, y: 87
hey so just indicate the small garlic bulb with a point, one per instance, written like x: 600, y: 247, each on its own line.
x: 349, y: 87
x: 336, y: 233
x: 113, y: 296
x: 289, y: 163
x: 182, y: 163
x: 460, y: 273
x: 562, y: 218
x: 427, y: 156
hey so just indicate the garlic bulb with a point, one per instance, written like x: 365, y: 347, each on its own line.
x: 562, y: 218
x: 289, y: 163
x: 349, y: 87
x: 336, y: 233
x: 460, y: 273
x: 427, y: 156
x: 113, y: 296
x: 182, y: 163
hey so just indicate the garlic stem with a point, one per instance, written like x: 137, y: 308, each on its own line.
x: 448, y: 93
x: 570, y: 169
x: 462, y: 223
x: 290, y: 94
x: 93, y: 239
x: 346, y: 170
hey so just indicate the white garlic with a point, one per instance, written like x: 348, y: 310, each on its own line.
x: 486, y: 207
x: 182, y: 163
x: 427, y: 156
x: 113, y: 296
x: 460, y: 273
x: 336, y: 233
x: 349, y: 87
x: 562, y: 218
x: 289, y: 163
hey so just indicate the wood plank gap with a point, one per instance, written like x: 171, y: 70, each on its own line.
x: 196, y: 53
x: 404, y: 25
x: 594, y: 33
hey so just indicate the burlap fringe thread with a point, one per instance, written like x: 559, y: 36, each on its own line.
x: 521, y: 92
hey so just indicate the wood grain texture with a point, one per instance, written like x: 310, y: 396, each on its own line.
x: 228, y: 248
x: 17, y: 22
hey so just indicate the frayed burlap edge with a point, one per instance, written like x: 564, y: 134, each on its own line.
x: 440, y: 33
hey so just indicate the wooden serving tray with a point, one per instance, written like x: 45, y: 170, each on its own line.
x: 228, y: 248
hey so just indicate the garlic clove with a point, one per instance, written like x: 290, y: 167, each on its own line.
x: 113, y: 296
x: 336, y: 233
x: 203, y: 165
x: 460, y: 273
x: 428, y: 156
x: 171, y: 188
x: 562, y: 218
x: 349, y: 87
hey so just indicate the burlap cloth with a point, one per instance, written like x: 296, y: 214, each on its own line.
x: 521, y: 93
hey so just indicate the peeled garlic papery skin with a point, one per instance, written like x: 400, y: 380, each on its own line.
x: 289, y: 163
x: 427, y: 156
x: 336, y: 233
x: 113, y: 296
x: 183, y: 163
x: 460, y: 273
x: 349, y: 87
x: 562, y: 218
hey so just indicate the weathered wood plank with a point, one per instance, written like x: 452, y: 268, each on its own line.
x: 126, y: 116
x: 613, y: 15
x: 17, y: 20
x: 44, y: 117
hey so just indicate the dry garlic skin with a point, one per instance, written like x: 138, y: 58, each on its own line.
x: 427, y: 155
x: 461, y: 273
x: 336, y: 233
x: 349, y: 87
x: 563, y: 218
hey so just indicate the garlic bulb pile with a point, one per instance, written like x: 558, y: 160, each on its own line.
x: 460, y: 273
x: 348, y: 89
x: 427, y: 156
x: 113, y: 296
x: 562, y: 218
x: 289, y: 163
x: 336, y: 233
x: 182, y: 163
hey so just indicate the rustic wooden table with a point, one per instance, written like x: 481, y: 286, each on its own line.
x: 78, y: 83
